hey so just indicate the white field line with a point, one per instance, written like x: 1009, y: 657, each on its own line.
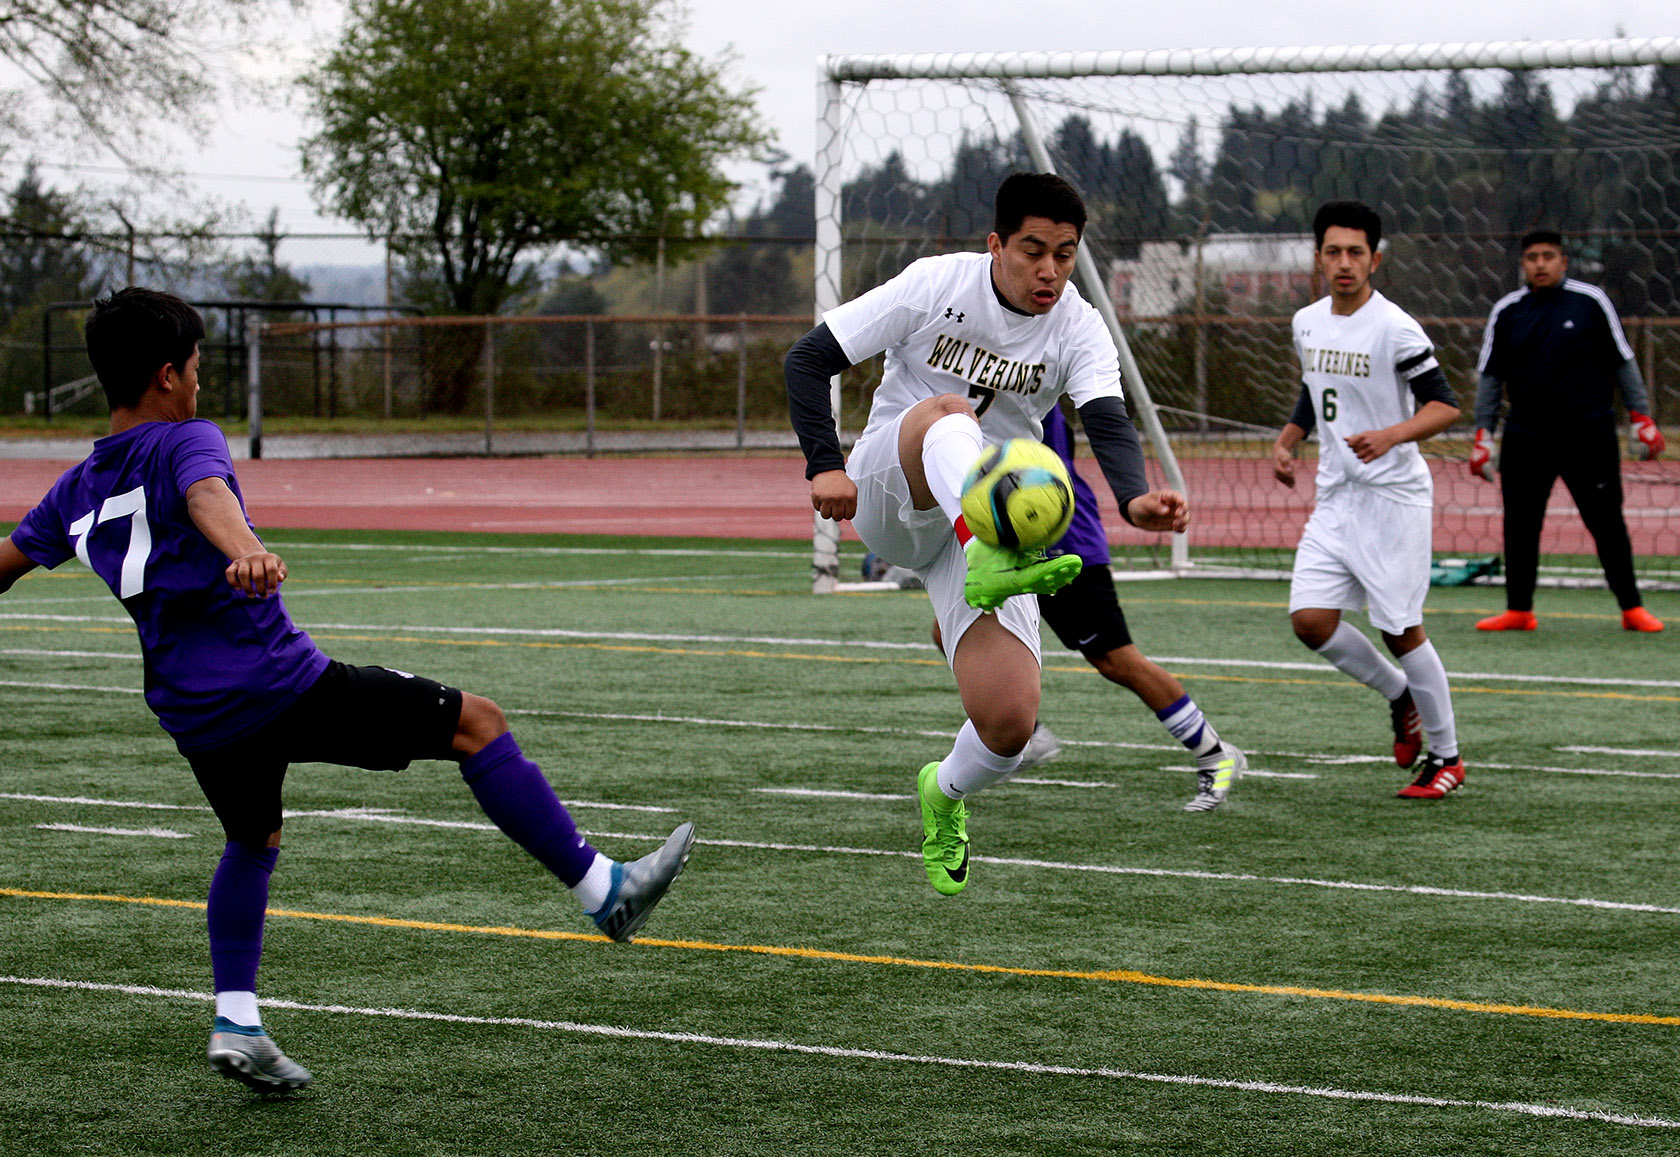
x: 860, y: 729
x: 156, y: 833
x: 375, y: 815
x: 884, y: 1056
x: 863, y: 644
x: 1659, y: 753
x: 384, y: 815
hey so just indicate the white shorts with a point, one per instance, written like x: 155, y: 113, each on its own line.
x: 1362, y: 549
x: 890, y: 525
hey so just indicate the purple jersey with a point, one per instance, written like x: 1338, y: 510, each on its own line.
x: 1085, y: 535
x: 218, y: 664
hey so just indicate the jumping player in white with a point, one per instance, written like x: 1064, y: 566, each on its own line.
x: 978, y: 347
x: 1371, y: 384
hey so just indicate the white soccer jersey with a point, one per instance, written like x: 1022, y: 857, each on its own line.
x: 944, y: 331
x: 1358, y: 369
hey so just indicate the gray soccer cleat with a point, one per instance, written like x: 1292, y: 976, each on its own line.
x: 1042, y: 748
x: 249, y: 1055
x: 639, y: 885
x: 1213, y: 784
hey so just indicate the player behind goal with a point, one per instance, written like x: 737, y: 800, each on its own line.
x: 156, y: 512
x: 978, y: 347
x: 1371, y: 385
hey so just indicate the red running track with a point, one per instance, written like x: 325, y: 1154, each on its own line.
x: 1234, y: 502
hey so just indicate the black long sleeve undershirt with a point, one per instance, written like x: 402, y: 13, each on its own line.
x: 808, y: 367
x: 1117, y: 449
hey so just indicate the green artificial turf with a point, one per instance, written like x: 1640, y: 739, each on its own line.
x: 1298, y: 972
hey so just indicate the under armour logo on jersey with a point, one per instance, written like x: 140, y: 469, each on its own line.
x: 952, y: 314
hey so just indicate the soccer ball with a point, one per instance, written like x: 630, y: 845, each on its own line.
x: 1018, y: 496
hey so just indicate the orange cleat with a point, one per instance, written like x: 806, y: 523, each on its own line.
x: 1515, y: 621
x: 1640, y: 619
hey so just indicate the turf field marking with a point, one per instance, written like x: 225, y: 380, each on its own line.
x: 1103, y: 976
x: 664, y: 644
x: 548, y: 551
x: 157, y: 833
x: 1659, y: 753
x: 373, y: 814
x: 883, y: 1056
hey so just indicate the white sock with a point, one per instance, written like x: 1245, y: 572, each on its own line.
x: 1428, y: 680
x: 949, y: 449
x: 592, y: 890
x: 972, y: 766
x: 1355, y: 656
x: 239, y: 1007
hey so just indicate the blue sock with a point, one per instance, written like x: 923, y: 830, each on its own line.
x: 237, y: 904
x: 1186, y: 723
x: 518, y: 799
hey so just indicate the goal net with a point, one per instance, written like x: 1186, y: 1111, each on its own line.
x: 1202, y: 170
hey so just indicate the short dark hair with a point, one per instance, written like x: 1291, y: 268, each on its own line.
x: 134, y: 333
x: 1348, y: 215
x: 1023, y: 195
x: 1541, y: 237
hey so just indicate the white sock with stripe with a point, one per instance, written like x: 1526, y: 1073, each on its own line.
x: 1185, y: 722
x: 972, y: 766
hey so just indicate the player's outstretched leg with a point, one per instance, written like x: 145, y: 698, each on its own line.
x: 517, y: 797
x: 995, y: 575
x: 639, y: 885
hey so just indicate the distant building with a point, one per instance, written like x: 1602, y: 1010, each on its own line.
x: 1245, y: 270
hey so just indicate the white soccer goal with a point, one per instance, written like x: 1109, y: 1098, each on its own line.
x: 1202, y: 170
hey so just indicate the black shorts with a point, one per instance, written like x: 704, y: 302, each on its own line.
x: 1086, y: 614
x: 369, y: 717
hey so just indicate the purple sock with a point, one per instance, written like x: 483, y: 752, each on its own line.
x: 238, y: 903
x: 517, y: 798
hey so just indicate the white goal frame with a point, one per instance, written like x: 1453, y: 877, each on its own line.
x: 834, y: 73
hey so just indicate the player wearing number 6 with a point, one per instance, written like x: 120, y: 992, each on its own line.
x: 979, y: 346
x: 155, y: 511
x: 1372, y: 387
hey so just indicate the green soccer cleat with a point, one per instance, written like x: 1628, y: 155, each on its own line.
x: 944, y: 834
x: 995, y: 574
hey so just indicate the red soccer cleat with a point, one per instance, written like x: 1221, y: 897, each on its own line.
x: 1437, y: 778
x: 1640, y: 619
x: 1512, y: 621
x: 1408, y: 729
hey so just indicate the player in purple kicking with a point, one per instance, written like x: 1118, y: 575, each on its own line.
x: 155, y: 511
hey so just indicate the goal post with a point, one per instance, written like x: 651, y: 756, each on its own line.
x: 1201, y: 169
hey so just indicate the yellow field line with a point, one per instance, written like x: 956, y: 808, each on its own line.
x: 1106, y: 976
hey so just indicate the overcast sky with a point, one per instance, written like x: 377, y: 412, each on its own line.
x: 252, y: 154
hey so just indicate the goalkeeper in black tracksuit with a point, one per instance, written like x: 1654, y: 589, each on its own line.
x: 1557, y: 350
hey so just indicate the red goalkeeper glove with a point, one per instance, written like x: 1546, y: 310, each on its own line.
x: 1648, y: 435
x: 1481, y: 456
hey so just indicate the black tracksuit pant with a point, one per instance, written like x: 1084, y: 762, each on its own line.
x: 1588, y: 460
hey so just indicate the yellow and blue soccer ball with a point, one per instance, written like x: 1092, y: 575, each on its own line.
x: 1018, y: 496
